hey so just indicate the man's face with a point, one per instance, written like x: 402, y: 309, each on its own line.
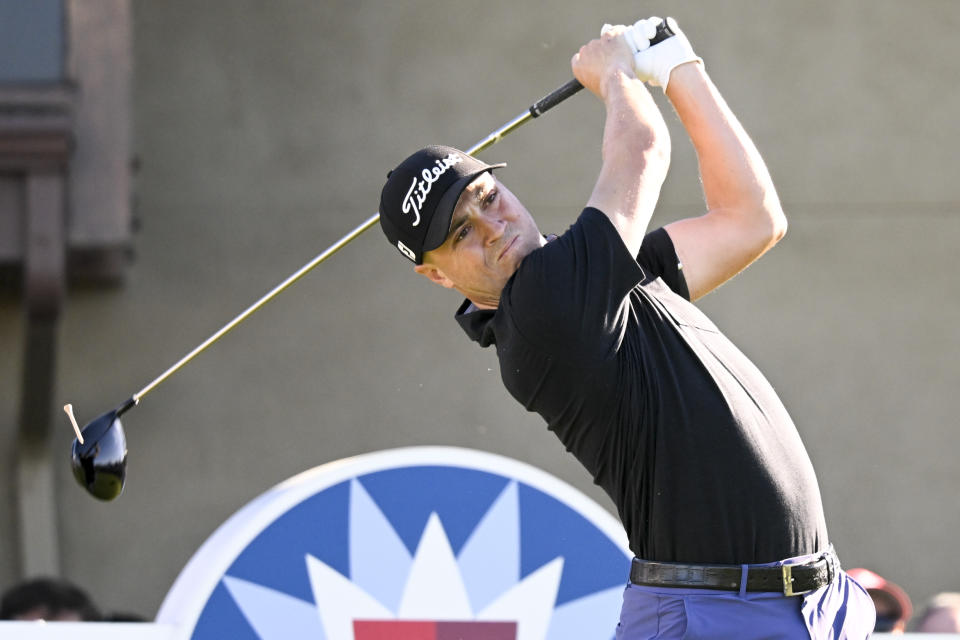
x: 490, y: 233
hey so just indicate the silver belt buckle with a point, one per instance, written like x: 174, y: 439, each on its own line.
x: 788, y: 582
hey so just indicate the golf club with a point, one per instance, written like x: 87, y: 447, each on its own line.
x: 99, y: 454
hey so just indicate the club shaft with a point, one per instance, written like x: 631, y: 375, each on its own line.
x: 552, y: 99
x: 225, y: 329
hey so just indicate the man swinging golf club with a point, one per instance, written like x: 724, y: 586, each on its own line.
x: 595, y: 332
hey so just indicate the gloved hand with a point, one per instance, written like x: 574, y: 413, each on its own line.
x: 653, y: 62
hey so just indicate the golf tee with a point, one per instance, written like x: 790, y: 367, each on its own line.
x: 69, y: 409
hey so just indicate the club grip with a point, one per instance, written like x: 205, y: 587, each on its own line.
x: 557, y: 96
x: 663, y: 32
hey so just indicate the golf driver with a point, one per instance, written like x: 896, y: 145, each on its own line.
x: 99, y: 455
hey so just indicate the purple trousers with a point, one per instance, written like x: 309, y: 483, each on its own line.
x: 841, y: 610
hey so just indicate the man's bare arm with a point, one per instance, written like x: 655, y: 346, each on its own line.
x: 744, y: 217
x: 636, y: 143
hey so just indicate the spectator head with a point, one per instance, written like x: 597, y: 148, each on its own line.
x: 47, y: 599
x: 891, y: 602
x: 941, y: 615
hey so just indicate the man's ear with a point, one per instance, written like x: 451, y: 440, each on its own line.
x: 434, y: 274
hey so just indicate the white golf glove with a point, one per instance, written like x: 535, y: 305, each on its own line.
x: 653, y: 63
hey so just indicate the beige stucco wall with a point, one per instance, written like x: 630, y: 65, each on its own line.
x: 265, y: 130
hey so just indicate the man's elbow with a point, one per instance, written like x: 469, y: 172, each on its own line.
x: 769, y: 219
x: 765, y: 225
x: 778, y: 224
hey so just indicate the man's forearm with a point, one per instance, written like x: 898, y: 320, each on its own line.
x: 735, y: 178
x: 636, y: 156
x: 636, y: 142
x: 634, y: 128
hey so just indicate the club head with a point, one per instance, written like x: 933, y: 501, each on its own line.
x: 100, y: 463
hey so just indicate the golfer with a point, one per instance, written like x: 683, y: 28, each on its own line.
x: 595, y: 331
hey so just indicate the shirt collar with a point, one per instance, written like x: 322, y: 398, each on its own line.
x: 476, y: 323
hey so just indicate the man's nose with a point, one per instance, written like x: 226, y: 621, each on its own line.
x: 492, y: 229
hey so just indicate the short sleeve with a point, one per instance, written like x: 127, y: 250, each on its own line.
x: 658, y: 258
x: 572, y: 295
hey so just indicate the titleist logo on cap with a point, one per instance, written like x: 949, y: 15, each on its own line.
x: 419, y: 189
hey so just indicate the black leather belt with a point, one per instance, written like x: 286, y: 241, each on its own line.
x: 790, y: 580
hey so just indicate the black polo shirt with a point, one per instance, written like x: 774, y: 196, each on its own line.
x: 680, y: 429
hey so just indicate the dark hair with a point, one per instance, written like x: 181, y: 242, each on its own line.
x: 53, y: 596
